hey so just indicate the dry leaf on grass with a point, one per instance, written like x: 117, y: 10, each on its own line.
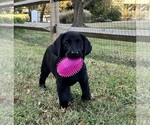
x: 81, y: 123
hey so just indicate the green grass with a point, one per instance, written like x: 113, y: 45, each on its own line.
x: 6, y: 80
x: 111, y: 69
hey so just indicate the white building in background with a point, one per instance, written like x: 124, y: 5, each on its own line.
x: 35, y: 16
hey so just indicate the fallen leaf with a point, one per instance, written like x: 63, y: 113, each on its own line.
x: 28, y: 91
x: 101, y: 95
x: 81, y: 123
x: 39, y: 103
x: 96, y: 96
x: 45, y: 111
x: 2, y: 99
x: 92, y: 95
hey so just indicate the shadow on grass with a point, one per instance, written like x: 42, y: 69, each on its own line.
x: 113, y: 59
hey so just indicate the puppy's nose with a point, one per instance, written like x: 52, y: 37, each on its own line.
x: 74, y: 53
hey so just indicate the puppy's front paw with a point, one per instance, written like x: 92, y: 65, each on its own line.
x: 71, y: 99
x: 64, y: 104
x: 85, y: 97
x: 42, y: 86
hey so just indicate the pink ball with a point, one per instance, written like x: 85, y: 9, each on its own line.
x: 68, y: 67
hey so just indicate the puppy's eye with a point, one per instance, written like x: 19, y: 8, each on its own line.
x: 66, y: 44
x: 79, y: 42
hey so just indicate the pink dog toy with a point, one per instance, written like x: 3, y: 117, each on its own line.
x: 68, y: 67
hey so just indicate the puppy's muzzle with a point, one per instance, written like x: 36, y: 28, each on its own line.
x: 74, y: 54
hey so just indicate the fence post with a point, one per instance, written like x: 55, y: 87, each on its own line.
x: 54, y: 19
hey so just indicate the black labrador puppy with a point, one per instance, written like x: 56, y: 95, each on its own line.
x: 71, y: 45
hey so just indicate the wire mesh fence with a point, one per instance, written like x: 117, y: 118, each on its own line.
x: 135, y: 22
x: 119, y: 59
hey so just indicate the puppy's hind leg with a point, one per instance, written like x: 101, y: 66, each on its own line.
x: 44, y: 70
x: 44, y: 74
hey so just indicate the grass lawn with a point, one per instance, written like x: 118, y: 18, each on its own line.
x: 121, y: 25
x: 111, y: 69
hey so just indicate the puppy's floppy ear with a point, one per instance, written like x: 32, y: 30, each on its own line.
x: 57, y: 46
x: 87, y: 48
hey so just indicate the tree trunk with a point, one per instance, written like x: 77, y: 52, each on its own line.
x: 42, y: 12
x: 78, y: 14
x: 29, y: 13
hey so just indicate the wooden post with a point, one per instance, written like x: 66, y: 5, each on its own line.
x: 54, y: 19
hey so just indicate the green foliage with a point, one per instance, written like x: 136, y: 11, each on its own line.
x: 6, y: 20
x: 21, y: 18
x: 114, y: 14
x: 67, y: 17
x: 18, y: 20
x: 64, y: 5
x: 10, y: 18
x: 99, y: 7
x: 86, y: 16
x: 103, y: 8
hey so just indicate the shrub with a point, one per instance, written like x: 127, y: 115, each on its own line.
x: 114, y: 15
x: 21, y: 18
x: 87, y: 16
x: 10, y: 18
x: 18, y: 20
x: 6, y: 19
x: 67, y: 17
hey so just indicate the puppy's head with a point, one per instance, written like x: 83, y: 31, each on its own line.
x: 72, y: 45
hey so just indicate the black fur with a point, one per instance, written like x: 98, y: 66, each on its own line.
x: 72, y: 45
